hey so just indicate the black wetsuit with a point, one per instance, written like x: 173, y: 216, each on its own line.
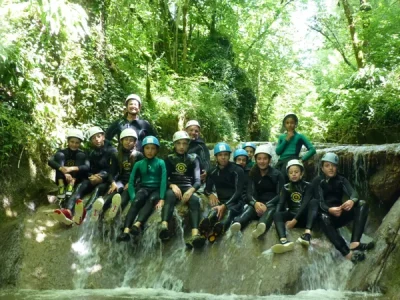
x: 100, y: 159
x: 301, y: 206
x: 69, y: 158
x: 122, y: 163
x: 142, y: 128
x: 228, y: 183
x: 330, y: 194
x: 199, y: 147
x: 184, y: 171
x: 264, y: 189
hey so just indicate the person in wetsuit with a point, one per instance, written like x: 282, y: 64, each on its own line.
x: 301, y: 211
x: 228, y: 179
x: 153, y: 183
x: 265, y: 183
x: 96, y: 182
x: 290, y: 143
x: 121, y: 167
x: 250, y: 148
x: 198, y: 146
x: 71, y: 164
x: 183, y: 172
x: 131, y: 119
x: 330, y: 188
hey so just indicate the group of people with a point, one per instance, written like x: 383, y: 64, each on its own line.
x: 239, y: 191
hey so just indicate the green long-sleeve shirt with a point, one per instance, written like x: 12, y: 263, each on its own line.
x: 153, y: 174
x: 291, y: 149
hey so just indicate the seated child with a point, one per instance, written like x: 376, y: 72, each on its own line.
x: 302, y: 210
x: 152, y: 189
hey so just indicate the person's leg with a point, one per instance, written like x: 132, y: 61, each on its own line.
x: 207, y: 223
x: 330, y: 230
x: 308, y: 221
x: 168, y: 208
x: 59, y: 157
x: 242, y: 220
x: 124, y: 199
x: 98, y: 191
x: 196, y: 240
x: 280, y: 219
x: 148, y: 208
x: 139, y: 202
x: 265, y: 222
x: 361, y: 210
x: 84, y: 188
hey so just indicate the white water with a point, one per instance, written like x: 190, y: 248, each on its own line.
x: 160, y: 294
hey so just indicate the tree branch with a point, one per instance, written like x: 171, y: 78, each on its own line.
x: 336, y: 44
x: 266, y: 30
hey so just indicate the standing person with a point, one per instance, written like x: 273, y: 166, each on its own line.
x: 122, y: 163
x: 198, y: 146
x: 290, y: 143
x: 330, y: 188
x: 183, y: 172
x: 250, y: 148
x: 74, y: 209
x: 71, y: 164
x: 131, y: 119
x: 227, y: 178
x: 302, y: 209
x: 265, y: 183
x: 152, y: 189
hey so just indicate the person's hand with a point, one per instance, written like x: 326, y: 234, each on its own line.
x: 113, y: 188
x: 291, y: 224
x: 68, y: 178
x: 213, y: 200
x: 203, y: 176
x: 160, y: 204
x: 177, y: 191
x: 186, y: 196
x: 289, y: 135
x: 64, y: 170
x: 336, y: 211
x: 260, y: 208
x: 126, y: 186
x: 348, y: 205
x: 220, y: 210
x: 95, y: 179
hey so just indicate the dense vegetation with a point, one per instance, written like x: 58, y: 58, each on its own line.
x: 236, y: 66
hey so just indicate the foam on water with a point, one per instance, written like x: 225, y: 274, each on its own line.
x: 161, y: 294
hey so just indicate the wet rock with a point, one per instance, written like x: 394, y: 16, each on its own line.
x: 380, y: 270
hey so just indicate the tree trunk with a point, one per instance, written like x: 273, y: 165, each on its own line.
x: 185, y: 10
x: 358, y: 53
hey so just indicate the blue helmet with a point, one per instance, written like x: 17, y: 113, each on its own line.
x: 240, y: 152
x: 150, y: 140
x: 222, y: 147
x: 249, y: 144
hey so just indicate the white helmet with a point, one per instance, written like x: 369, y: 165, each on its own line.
x: 191, y: 123
x: 128, y: 132
x: 93, y: 130
x: 133, y: 97
x: 266, y: 149
x: 180, y: 135
x: 294, y: 162
x: 76, y: 133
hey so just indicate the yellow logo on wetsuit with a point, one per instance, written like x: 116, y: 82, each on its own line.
x: 126, y: 165
x: 70, y: 163
x: 296, y: 197
x: 181, y: 168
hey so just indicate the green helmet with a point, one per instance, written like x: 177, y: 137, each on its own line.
x: 330, y: 157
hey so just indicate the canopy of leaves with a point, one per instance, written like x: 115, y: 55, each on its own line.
x: 236, y: 66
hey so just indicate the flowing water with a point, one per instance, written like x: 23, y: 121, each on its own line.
x: 96, y: 250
